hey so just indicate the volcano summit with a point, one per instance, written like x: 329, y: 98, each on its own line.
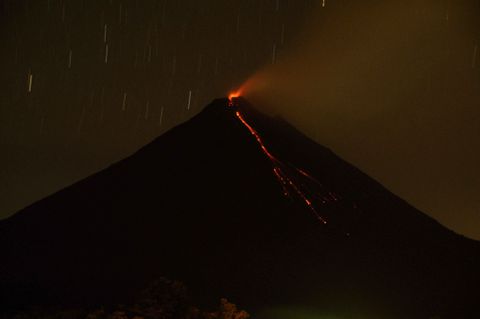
x: 241, y: 205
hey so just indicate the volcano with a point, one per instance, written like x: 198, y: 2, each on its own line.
x: 238, y: 204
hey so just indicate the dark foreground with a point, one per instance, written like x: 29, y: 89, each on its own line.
x: 203, y: 205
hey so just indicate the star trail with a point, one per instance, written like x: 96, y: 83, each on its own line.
x: 85, y: 83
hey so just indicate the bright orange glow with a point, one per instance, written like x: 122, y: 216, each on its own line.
x: 232, y: 96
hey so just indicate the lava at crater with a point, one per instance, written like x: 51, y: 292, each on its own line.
x: 294, y: 181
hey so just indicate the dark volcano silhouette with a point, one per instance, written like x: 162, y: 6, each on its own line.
x: 202, y: 204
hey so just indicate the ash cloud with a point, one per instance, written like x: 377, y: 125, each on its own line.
x: 394, y: 88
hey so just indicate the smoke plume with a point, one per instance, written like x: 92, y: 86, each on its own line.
x: 394, y: 88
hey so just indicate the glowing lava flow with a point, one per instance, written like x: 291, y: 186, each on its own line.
x: 292, y: 179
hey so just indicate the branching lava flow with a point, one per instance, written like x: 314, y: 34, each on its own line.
x: 294, y: 181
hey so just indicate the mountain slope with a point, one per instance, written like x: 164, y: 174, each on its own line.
x: 202, y: 204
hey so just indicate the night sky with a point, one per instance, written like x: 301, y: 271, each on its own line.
x: 394, y: 88
x: 391, y: 86
x: 86, y: 83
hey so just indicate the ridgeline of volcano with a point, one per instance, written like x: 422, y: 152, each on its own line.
x: 241, y: 205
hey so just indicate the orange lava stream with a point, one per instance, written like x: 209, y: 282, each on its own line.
x: 287, y: 181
